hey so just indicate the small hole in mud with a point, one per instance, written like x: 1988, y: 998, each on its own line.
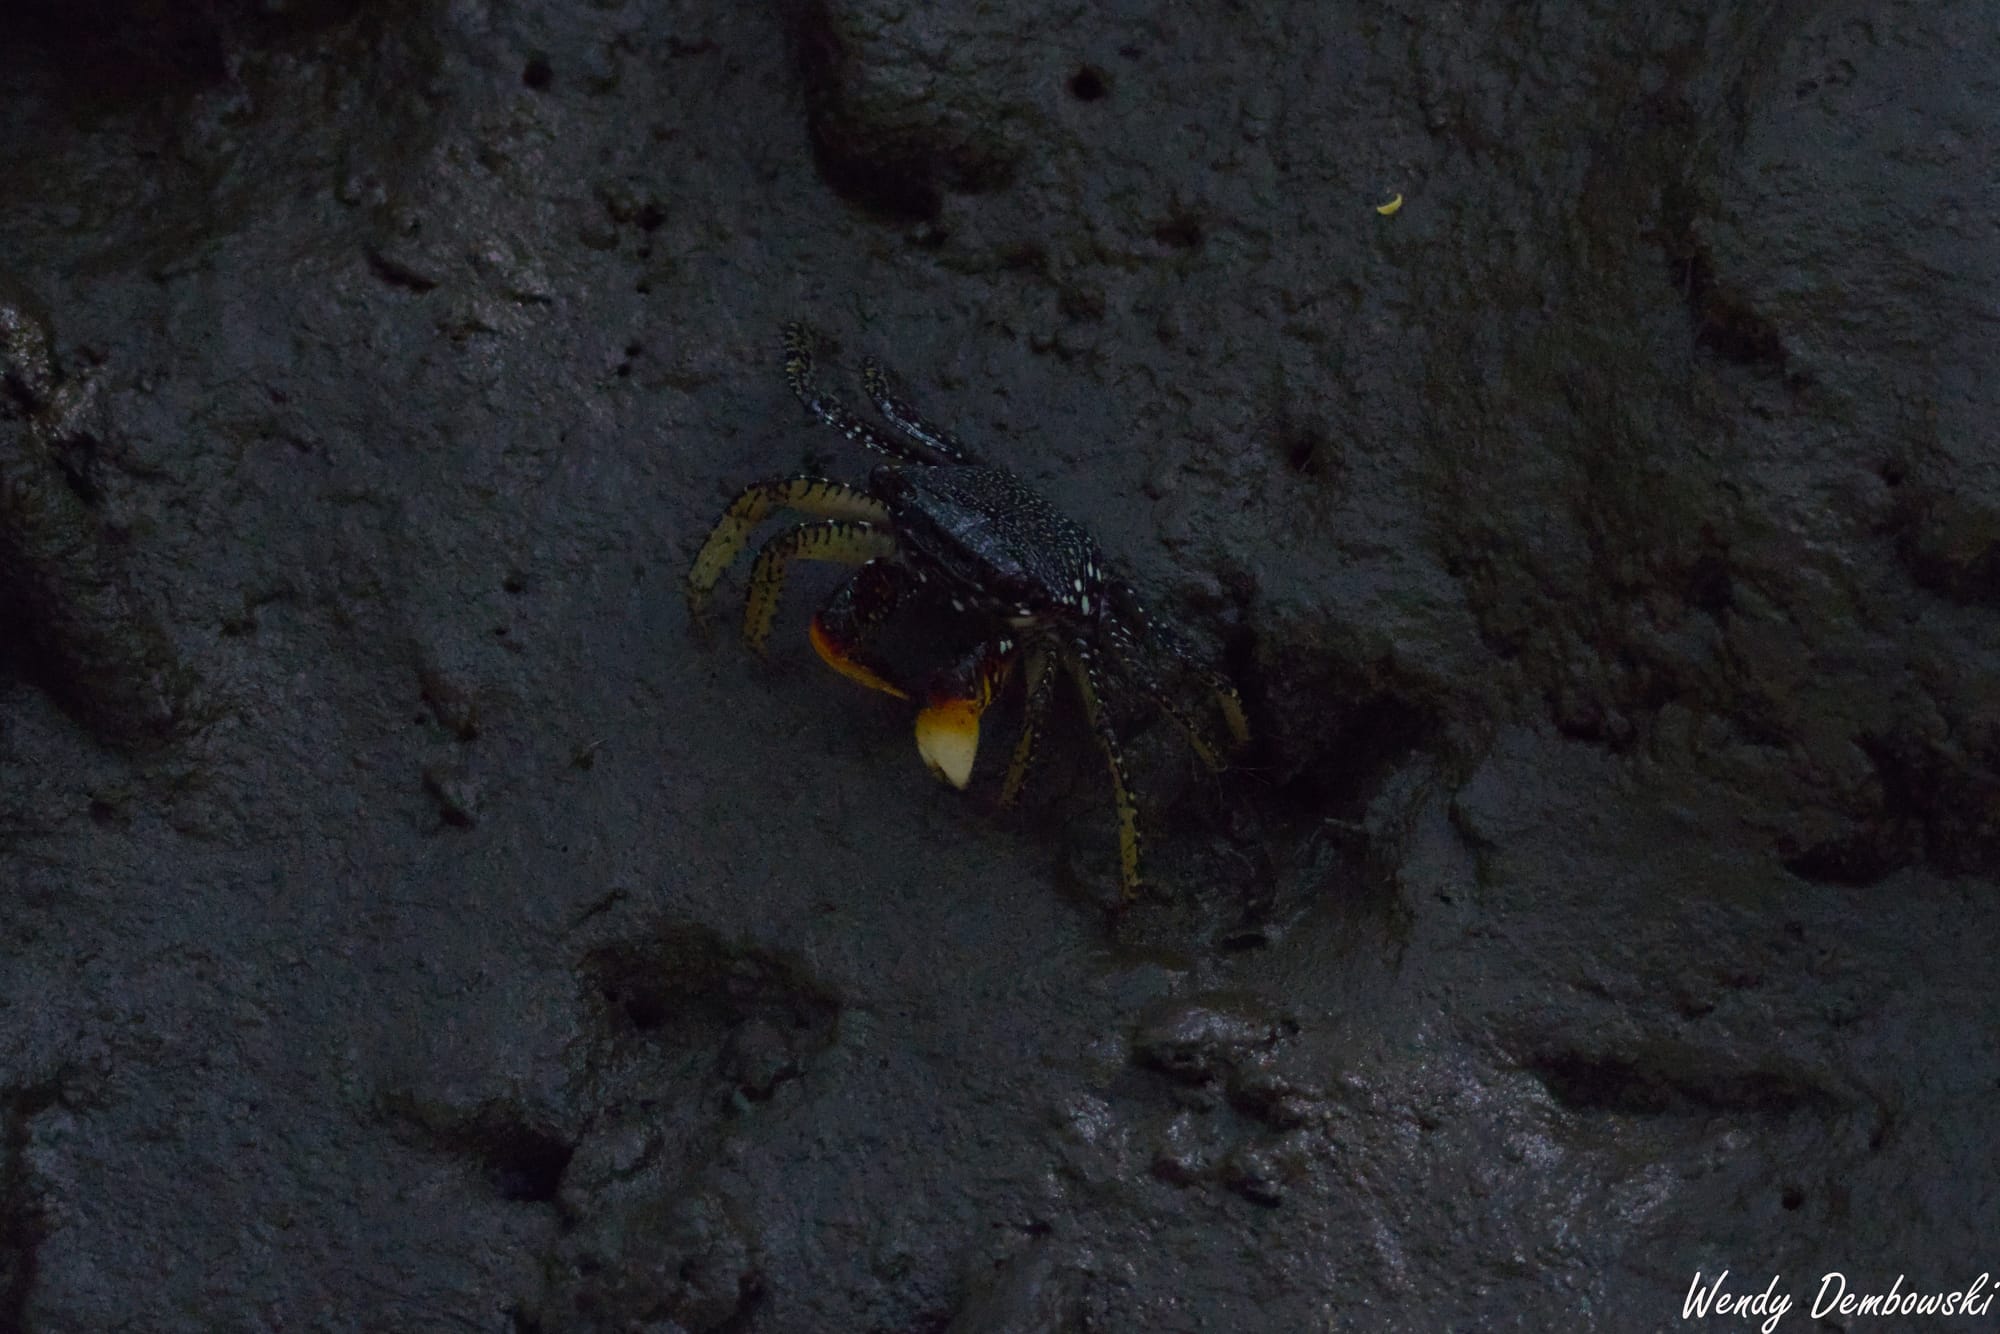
x: 644, y: 1011
x: 1792, y: 1198
x: 1310, y: 453
x: 1088, y: 84
x: 1182, y: 231
x: 538, y: 74
x: 1082, y: 305
x: 526, y: 1166
x: 1892, y: 472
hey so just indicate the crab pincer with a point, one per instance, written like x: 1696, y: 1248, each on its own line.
x: 939, y: 527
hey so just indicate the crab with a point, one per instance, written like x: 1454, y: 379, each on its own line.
x: 938, y: 525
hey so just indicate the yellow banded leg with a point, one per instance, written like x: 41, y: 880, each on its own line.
x: 948, y: 726
x: 1231, y: 704
x: 1088, y: 684
x: 836, y: 541
x: 1139, y: 640
x: 1200, y: 736
x: 856, y: 608
x: 907, y: 419
x: 809, y: 495
x: 1233, y: 709
x: 799, y: 345
x: 1040, y: 683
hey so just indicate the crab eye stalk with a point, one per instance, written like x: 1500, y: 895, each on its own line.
x: 936, y: 524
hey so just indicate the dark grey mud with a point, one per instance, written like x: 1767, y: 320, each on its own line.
x: 1607, y: 544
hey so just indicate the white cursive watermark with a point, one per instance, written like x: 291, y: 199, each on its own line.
x: 1713, y: 1300
x: 1834, y: 1297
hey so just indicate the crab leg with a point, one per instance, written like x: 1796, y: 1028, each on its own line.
x: 851, y: 615
x: 837, y: 541
x: 1129, y: 623
x: 1200, y: 737
x: 899, y: 414
x: 1083, y: 668
x: 809, y: 495
x: 799, y: 343
x: 948, y: 725
x: 1034, y: 709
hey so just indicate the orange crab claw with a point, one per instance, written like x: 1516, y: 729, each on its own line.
x: 835, y: 655
x: 948, y: 738
x: 948, y: 726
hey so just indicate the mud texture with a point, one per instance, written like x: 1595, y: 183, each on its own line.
x: 408, y: 923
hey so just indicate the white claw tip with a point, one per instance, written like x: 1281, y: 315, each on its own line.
x: 948, y: 740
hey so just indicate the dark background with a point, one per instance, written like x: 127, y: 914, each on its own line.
x: 409, y: 924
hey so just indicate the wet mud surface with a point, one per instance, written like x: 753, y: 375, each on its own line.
x: 409, y: 923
